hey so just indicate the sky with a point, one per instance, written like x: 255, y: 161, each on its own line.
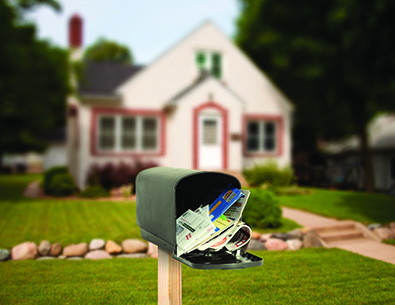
x: 148, y: 28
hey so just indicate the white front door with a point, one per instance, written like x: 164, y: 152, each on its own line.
x: 210, y: 141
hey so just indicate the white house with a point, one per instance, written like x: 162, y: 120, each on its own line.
x: 202, y: 105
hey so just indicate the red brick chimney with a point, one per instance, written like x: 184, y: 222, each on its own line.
x: 75, y: 32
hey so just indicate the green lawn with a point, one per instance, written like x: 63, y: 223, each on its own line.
x: 363, y: 207
x: 12, y: 186
x: 67, y: 221
x: 64, y: 221
x: 308, y: 276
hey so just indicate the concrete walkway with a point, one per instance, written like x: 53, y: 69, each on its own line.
x: 365, y: 247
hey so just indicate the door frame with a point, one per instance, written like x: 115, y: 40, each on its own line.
x: 196, y: 132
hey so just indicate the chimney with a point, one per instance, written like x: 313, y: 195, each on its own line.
x: 75, y: 32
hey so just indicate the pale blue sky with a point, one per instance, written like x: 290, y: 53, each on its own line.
x: 148, y: 27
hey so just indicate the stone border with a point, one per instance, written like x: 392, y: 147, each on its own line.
x: 97, y: 249
x: 136, y: 248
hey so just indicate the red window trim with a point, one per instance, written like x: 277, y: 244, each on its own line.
x: 136, y: 112
x: 196, y: 112
x: 279, y: 134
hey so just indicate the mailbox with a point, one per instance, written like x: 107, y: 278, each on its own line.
x: 163, y: 194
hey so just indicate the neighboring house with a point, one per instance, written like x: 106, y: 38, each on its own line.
x: 56, y: 152
x: 202, y: 105
x: 344, y: 164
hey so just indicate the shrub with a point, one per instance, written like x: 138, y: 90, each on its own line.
x: 62, y: 185
x: 262, y: 210
x: 269, y: 173
x: 94, y: 191
x: 49, y: 175
x: 112, y: 175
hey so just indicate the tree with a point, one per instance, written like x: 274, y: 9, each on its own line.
x: 333, y: 58
x: 33, y: 81
x: 107, y: 50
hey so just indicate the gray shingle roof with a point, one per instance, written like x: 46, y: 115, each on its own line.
x: 102, y: 78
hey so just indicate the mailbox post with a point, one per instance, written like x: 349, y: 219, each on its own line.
x: 162, y: 195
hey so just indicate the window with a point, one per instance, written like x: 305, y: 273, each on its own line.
x: 107, y: 134
x: 261, y: 136
x: 216, y: 65
x: 125, y: 133
x: 210, y: 62
x: 210, y: 132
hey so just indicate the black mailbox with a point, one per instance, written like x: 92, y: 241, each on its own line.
x: 163, y: 194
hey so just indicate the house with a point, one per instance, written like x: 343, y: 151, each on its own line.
x: 201, y: 105
x: 344, y: 162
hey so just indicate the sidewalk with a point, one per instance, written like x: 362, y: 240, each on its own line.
x: 365, y: 247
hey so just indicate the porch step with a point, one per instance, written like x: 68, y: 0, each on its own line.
x: 329, y: 237
x: 346, y: 231
x: 335, y: 228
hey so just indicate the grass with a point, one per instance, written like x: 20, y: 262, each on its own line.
x: 389, y: 241
x: 12, y: 186
x: 62, y: 221
x: 308, y: 276
x: 286, y: 226
x: 68, y: 221
x: 362, y: 207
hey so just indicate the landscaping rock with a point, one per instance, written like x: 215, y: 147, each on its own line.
x: 134, y: 255
x: 152, y: 250
x: 5, y: 254
x: 384, y: 233
x: 392, y: 225
x: 311, y: 240
x: 265, y: 237
x: 74, y: 258
x: 374, y: 226
x: 256, y: 245
x: 112, y: 247
x: 255, y: 235
x: 56, y: 249
x: 44, y: 258
x: 274, y: 244
x: 295, y: 234
x: 96, y: 244
x: 134, y: 246
x: 294, y: 244
x: 44, y: 248
x: 282, y: 236
x: 76, y: 250
x: 62, y: 257
x: 98, y: 254
x: 27, y: 250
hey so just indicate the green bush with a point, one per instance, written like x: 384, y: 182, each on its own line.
x: 48, y: 176
x: 269, y: 173
x: 62, y: 185
x: 95, y: 191
x: 262, y: 210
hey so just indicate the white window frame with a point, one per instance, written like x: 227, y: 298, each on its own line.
x: 118, y: 134
x: 262, y: 137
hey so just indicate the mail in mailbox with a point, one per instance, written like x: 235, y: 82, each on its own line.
x: 205, y: 206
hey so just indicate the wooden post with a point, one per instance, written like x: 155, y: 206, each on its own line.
x: 169, y: 279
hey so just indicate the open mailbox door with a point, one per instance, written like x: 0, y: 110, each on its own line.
x: 163, y: 194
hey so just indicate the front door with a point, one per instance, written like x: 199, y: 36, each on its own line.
x: 210, y: 141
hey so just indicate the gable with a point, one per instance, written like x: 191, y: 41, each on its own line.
x: 176, y: 69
